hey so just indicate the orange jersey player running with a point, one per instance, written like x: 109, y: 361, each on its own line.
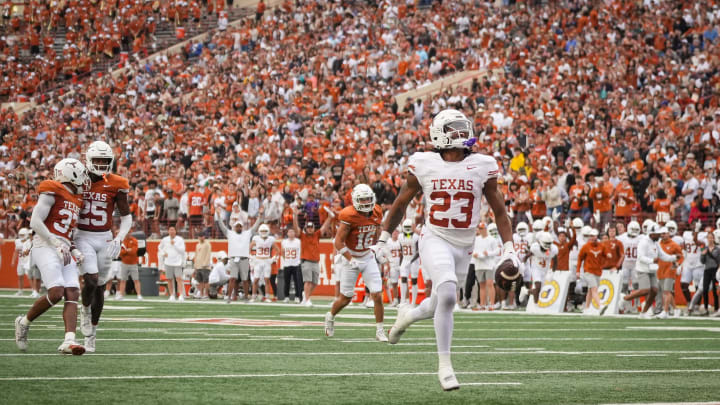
x: 358, y: 231
x: 95, y: 237
x: 53, y: 220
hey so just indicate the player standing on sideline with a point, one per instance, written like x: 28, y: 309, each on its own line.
x: 693, y: 268
x: 394, y: 262
x: 454, y: 180
x: 265, y: 254
x: 409, y: 266
x: 290, y: 247
x: 239, y: 252
x: 53, y: 220
x: 358, y: 231
x: 630, y: 240
x: 21, y: 260
x: 543, y: 253
x: 94, y: 238
x: 648, y: 255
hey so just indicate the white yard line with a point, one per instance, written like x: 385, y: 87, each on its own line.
x: 699, y: 358
x: 641, y: 355
x: 326, y: 375
x: 491, y: 383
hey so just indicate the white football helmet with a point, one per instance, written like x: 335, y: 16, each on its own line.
x: 577, y: 223
x: 647, y: 225
x: 72, y: 171
x: 222, y: 255
x: 363, y: 198
x: 264, y: 231
x: 522, y: 229
x: 538, y: 226
x: 586, y: 231
x: 407, y: 226
x: 451, y: 129
x: 545, y: 240
x: 655, y: 229
x: 633, y: 229
x: 672, y: 227
x: 99, y: 150
x: 23, y: 233
x: 492, y: 230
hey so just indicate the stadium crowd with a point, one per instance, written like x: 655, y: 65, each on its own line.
x: 593, y: 108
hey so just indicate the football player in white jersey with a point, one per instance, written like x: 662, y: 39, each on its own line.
x: 693, y: 269
x: 543, y: 257
x: 522, y: 238
x: 409, y: 266
x: 394, y: 263
x: 21, y: 260
x: 575, y: 232
x: 95, y: 237
x: 454, y: 181
x: 630, y: 241
x: 265, y: 254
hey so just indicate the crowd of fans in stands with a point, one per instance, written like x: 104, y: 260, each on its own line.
x: 594, y: 109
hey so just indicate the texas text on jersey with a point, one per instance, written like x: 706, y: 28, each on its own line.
x: 453, y: 191
x: 64, y: 213
x: 99, y: 203
x: 363, y: 229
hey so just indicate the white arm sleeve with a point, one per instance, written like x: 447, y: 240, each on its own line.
x: 39, y: 214
x: 125, y: 225
x: 664, y: 256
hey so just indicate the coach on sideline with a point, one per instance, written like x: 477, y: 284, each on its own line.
x: 310, y: 253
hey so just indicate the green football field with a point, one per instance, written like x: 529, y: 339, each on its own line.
x: 159, y: 352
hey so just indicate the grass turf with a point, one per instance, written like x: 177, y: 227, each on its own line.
x: 151, y: 352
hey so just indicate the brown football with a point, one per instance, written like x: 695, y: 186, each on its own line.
x: 506, y: 274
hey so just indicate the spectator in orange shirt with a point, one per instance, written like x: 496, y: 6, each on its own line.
x: 129, y: 266
x: 593, y: 255
x: 196, y: 204
x: 624, y: 198
x: 601, y: 197
x: 667, y: 271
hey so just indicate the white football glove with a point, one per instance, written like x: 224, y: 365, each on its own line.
x: 555, y: 215
x: 77, y: 255
x: 113, y: 249
x: 596, y: 215
x: 678, y: 271
x: 698, y: 226
x: 654, y: 267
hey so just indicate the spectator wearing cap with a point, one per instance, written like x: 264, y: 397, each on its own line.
x: 201, y: 264
x: 239, y: 240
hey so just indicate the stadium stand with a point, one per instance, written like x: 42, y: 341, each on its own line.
x: 301, y: 102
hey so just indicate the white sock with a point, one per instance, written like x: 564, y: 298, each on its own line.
x: 446, y: 299
x: 696, y: 297
x: 25, y: 321
x: 69, y: 336
x: 414, y: 293
x: 403, y: 291
x: 444, y: 360
x: 94, y: 329
x: 425, y: 310
x: 86, y: 309
x: 379, y: 326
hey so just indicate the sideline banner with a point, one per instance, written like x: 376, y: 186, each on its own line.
x: 609, y: 291
x: 553, y: 294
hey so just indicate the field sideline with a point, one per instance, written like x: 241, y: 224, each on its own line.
x: 158, y: 352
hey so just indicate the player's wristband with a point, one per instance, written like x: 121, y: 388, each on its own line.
x: 384, y: 236
x: 508, y: 248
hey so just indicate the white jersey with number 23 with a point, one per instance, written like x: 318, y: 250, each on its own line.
x: 453, y: 192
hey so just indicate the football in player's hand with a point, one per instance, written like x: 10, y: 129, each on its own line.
x: 506, y: 274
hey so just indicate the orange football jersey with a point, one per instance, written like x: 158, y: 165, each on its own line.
x: 99, y: 203
x: 63, y: 215
x: 363, y: 229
